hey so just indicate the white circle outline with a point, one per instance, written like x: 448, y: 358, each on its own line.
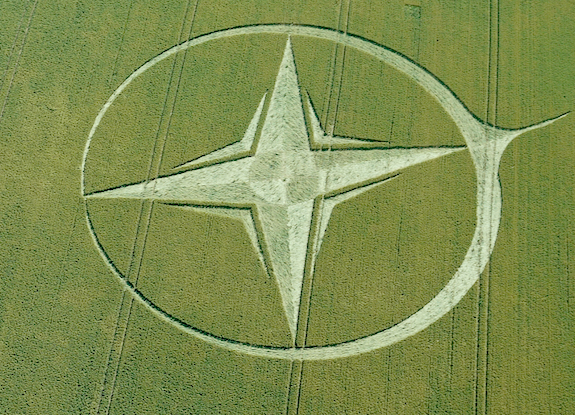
x: 488, y: 201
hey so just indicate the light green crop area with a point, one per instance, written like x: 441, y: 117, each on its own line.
x: 72, y: 342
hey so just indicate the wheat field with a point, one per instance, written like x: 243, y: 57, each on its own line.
x: 100, y: 297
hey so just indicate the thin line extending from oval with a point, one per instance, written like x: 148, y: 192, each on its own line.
x: 488, y: 201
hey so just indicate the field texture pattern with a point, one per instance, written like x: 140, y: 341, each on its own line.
x: 264, y: 207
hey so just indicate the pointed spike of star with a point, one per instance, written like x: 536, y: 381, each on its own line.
x: 284, y: 127
x: 287, y: 230
x: 220, y: 184
x: 508, y: 135
x: 347, y: 168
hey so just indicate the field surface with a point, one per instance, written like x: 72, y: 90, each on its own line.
x: 101, y: 293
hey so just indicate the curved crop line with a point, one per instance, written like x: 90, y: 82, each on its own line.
x: 488, y: 202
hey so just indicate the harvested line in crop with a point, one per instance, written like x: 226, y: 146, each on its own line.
x: 288, y: 386
x: 121, y: 41
x: 114, y: 355
x: 483, y: 292
x: 15, y: 69
x: 451, y: 347
x: 119, y: 328
x: 294, y: 388
x: 568, y: 268
x: 69, y: 243
x: 13, y: 47
x: 300, y: 381
x: 145, y: 214
x: 334, y: 93
x: 100, y: 393
x: 124, y: 328
x: 130, y: 301
x: 388, y: 381
x: 122, y: 322
x: 179, y: 79
x: 330, y: 126
x: 336, y: 69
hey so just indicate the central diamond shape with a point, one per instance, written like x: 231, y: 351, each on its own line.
x: 284, y: 179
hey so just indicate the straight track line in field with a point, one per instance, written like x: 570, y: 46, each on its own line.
x: 288, y: 386
x: 176, y: 89
x: 118, y: 348
x: 331, y: 125
x: 128, y: 15
x: 451, y: 348
x: 337, y: 72
x: 334, y: 92
x: 494, y: 102
x: 145, y: 214
x: 6, y: 93
x: 121, y: 324
x: 388, y: 380
x: 152, y: 174
x: 99, y: 393
x: 483, y: 294
x: 568, y: 269
x: 13, y: 47
x: 119, y: 328
x: 294, y: 388
x: 129, y: 301
x: 416, y: 47
x: 77, y: 212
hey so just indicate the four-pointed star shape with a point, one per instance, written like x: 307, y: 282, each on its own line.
x: 283, y: 179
